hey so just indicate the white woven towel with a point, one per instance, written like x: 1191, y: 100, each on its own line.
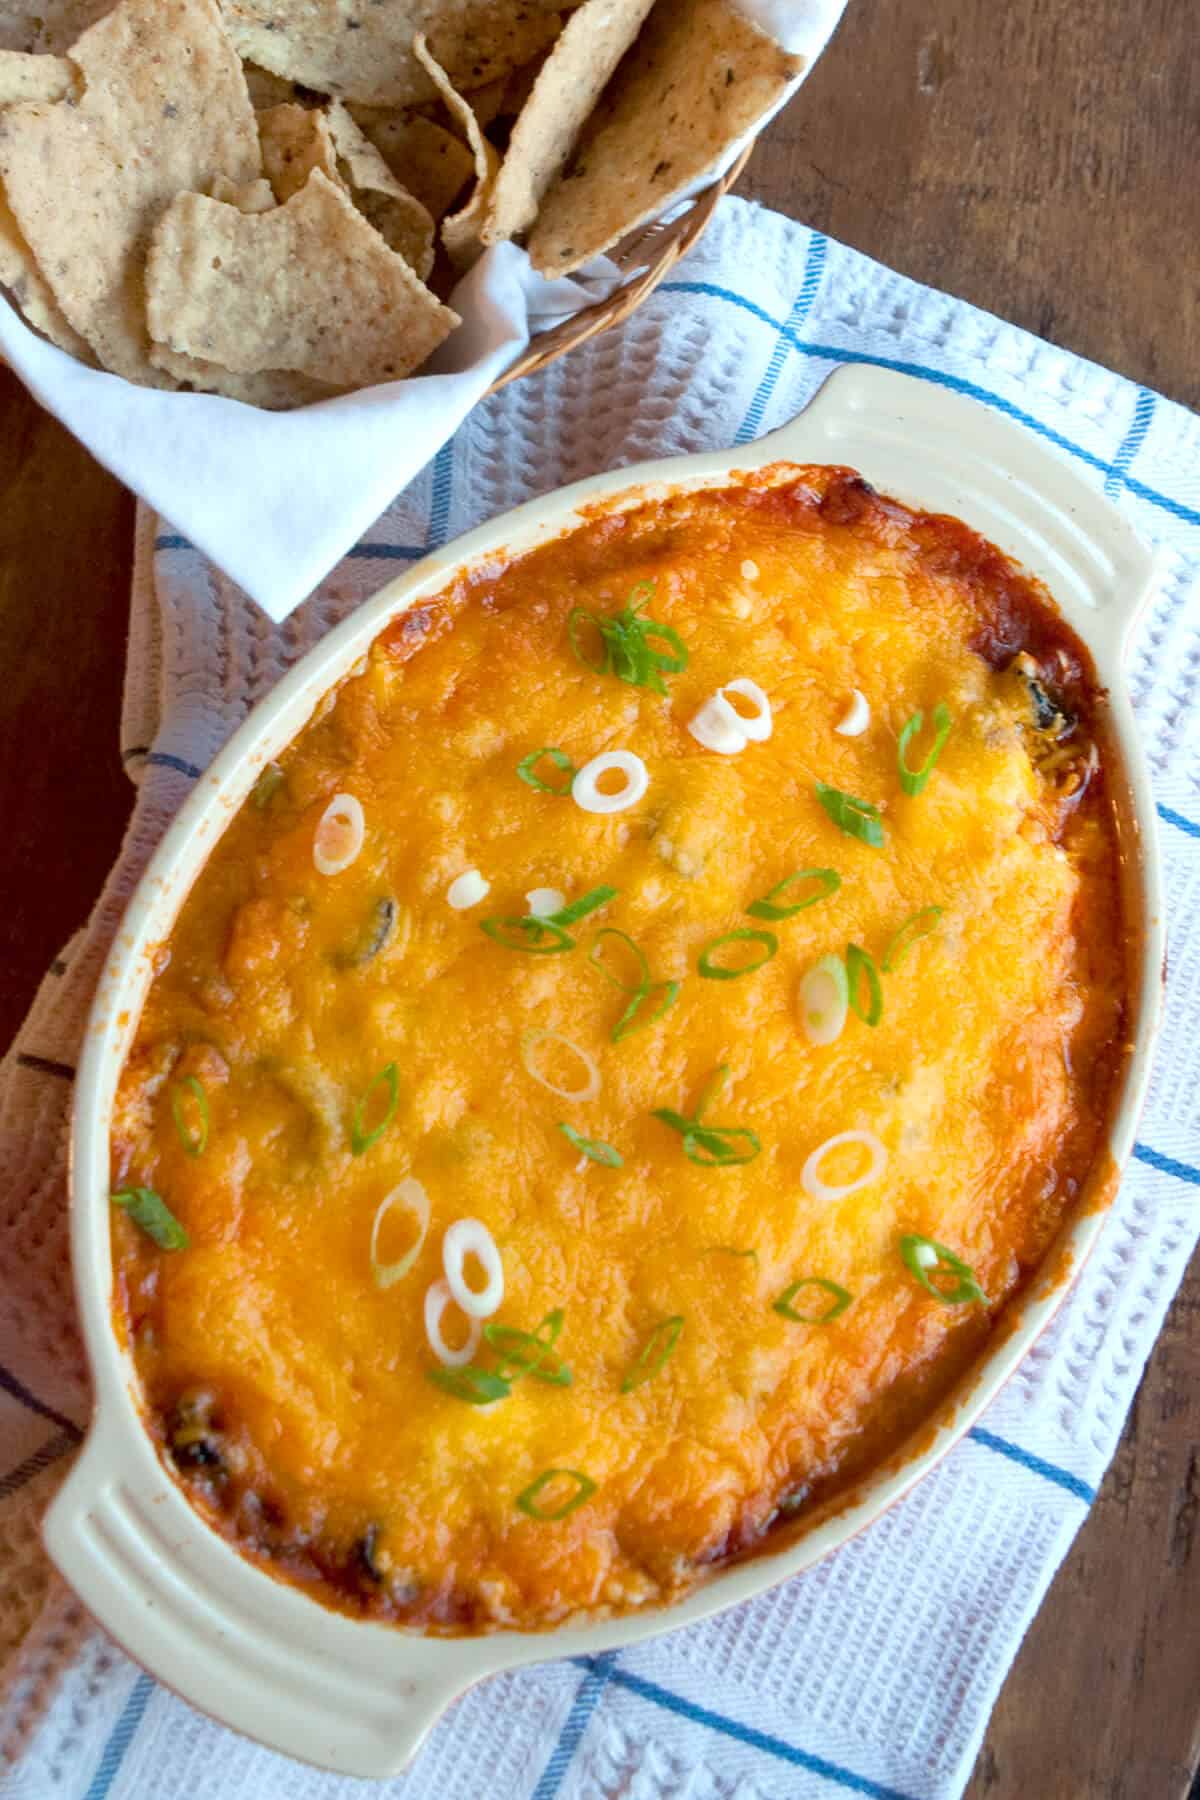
x: 874, y: 1673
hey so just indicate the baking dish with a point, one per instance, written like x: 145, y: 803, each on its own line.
x: 358, y: 1697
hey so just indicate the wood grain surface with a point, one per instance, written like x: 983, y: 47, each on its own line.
x: 1043, y: 161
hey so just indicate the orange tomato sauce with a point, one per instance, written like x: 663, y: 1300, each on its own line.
x: 299, y: 1401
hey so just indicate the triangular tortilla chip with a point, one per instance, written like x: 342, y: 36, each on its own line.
x: 164, y: 110
x: 461, y: 231
x: 698, y: 79
x: 20, y: 274
x: 398, y: 216
x: 275, y: 390
x: 247, y: 196
x: 428, y: 160
x: 572, y: 79
x: 35, y: 77
x: 48, y: 25
x: 356, y: 50
x: 295, y: 141
x: 310, y: 286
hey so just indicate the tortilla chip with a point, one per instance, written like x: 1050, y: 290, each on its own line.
x: 247, y: 196
x: 358, y: 50
x: 433, y: 164
x: 310, y: 286
x: 698, y: 79
x: 294, y: 143
x: 275, y: 390
x: 47, y: 25
x: 20, y: 274
x: 461, y: 231
x: 401, y: 221
x: 164, y: 110
x: 35, y: 77
x: 574, y: 76
x: 264, y: 88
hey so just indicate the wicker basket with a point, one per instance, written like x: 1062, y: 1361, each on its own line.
x: 665, y: 244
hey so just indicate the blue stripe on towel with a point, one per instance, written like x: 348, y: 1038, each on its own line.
x: 584, y: 1705
x: 1167, y: 1165
x: 122, y: 1736
x: 1132, y: 442
x: 1049, y: 1471
x: 814, y: 268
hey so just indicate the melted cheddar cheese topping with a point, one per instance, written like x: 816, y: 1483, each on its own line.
x: 291, y: 1392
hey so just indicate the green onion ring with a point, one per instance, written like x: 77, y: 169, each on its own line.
x: 766, y: 908
x: 478, y: 1387
x: 194, y: 1142
x: 859, y: 962
x: 360, y: 1138
x: 509, y: 932
x: 658, y: 1349
x: 913, y: 780
x: 965, y: 1291
x: 526, y: 1352
x: 918, y: 925
x: 585, y: 1487
x: 526, y: 770
x: 579, y: 909
x: 857, y: 818
x: 730, y: 1250
x: 716, y: 1140
x: 594, y: 1148
x: 629, y: 1021
x: 842, y: 1298
x: 714, y: 972
x: 594, y: 957
x: 151, y: 1212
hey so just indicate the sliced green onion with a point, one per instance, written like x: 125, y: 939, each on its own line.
x: 913, y: 780
x: 626, y: 643
x: 267, y: 786
x: 828, y: 882
x: 529, y: 1352
x: 641, y: 990
x: 921, y: 1256
x: 532, y: 1040
x: 151, y: 1212
x: 824, y: 1000
x: 527, y: 770
x: 657, y: 1350
x: 730, y: 1250
x: 536, y: 937
x: 917, y: 926
x: 711, y: 1146
x: 593, y: 1148
x: 857, y: 818
x: 478, y: 1387
x: 360, y: 1137
x: 716, y: 972
x: 192, y: 1141
x: 527, y: 1500
x: 860, y: 964
x: 840, y: 1298
x: 579, y: 909
x: 412, y: 1197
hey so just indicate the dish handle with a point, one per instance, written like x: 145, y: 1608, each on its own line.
x: 234, y: 1643
x: 946, y: 452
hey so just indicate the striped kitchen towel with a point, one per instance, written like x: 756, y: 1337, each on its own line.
x: 874, y: 1673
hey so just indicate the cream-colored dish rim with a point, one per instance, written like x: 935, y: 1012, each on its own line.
x: 358, y: 1697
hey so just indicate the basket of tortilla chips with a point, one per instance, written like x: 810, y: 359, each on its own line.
x: 273, y: 200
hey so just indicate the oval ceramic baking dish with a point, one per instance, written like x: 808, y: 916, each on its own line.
x: 358, y: 1697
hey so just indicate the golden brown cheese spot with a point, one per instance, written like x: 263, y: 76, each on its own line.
x: 291, y: 1392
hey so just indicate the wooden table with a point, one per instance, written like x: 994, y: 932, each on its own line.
x: 1042, y: 160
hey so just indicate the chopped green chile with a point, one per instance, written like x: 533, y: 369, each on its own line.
x: 194, y: 1139
x: 859, y: 819
x: 860, y: 967
x: 150, y: 1212
x: 595, y: 1149
x: 913, y: 780
x: 269, y: 782
x: 625, y: 643
x: 362, y: 1135
x: 771, y: 907
x: 917, y: 926
x: 527, y: 1499
x: 377, y: 933
x: 529, y: 1352
x: 527, y: 770
x: 966, y: 1289
x: 720, y: 972
x: 711, y: 1146
x: 658, y: 1349
x: 534, y: 937
x: 579, y: 909
x: 478, y: 1387
x: 840, y: 1299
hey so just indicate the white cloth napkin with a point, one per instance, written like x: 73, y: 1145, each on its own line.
x: 276, y: 499
x: 874, y: 1673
